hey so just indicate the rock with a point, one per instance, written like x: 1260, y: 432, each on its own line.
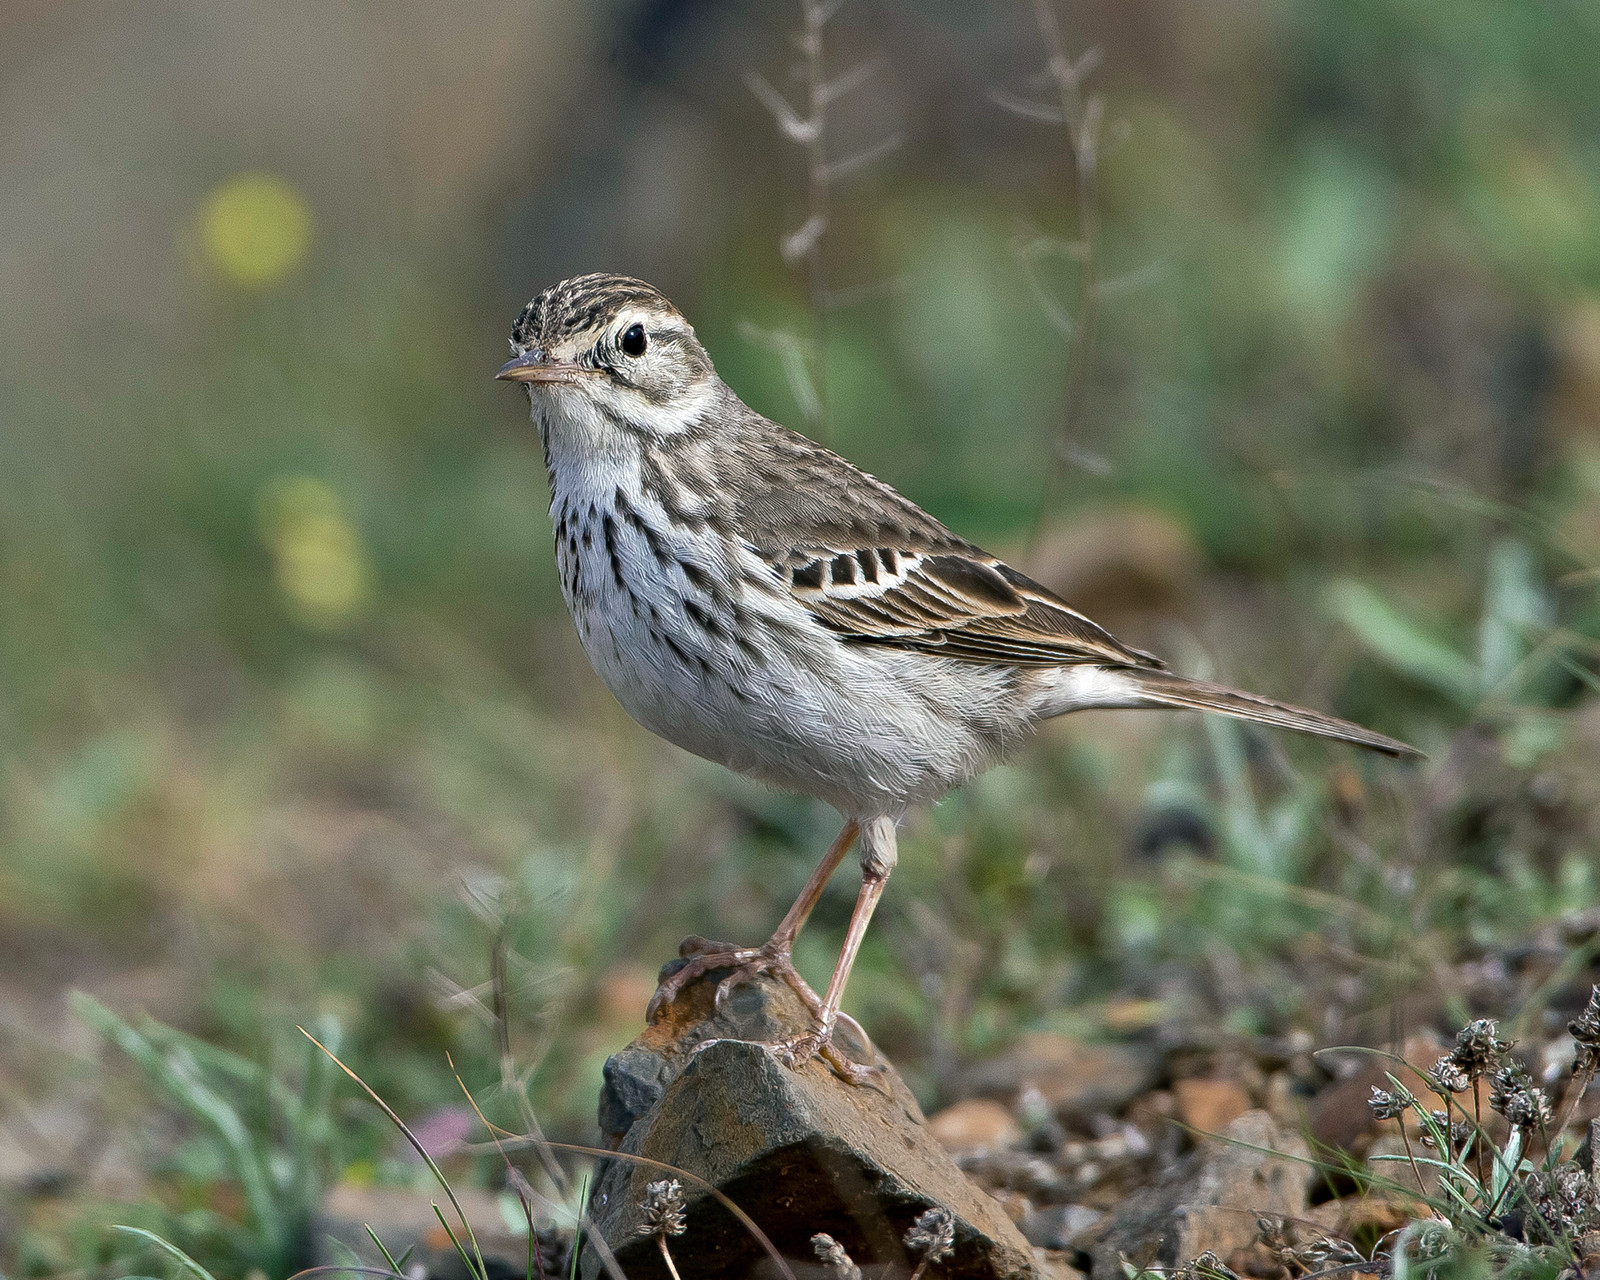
x: 1052, y: 1266
x: 974, y: 1124
x: 1210, y: 1201
x: 1057, y: 1226
x: 1076, y: 1079
x: 1587, y: 1155
x: 633, y: 1082
x: 801, y: 1151
x: 1209, y: 1105
x: 1339, y: 1114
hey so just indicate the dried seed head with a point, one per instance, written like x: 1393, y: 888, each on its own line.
x: 662, y: 1208
x: 1585, y: 1030
x: 1449, y: 1076
x: 1389, y: 1106
x: 1438, y: 1122
x: 1210, y: 1267
x: 1478, y: 1047
x: 933, y: 1235
x: 1513, y: 1095
x: 831, y: 1254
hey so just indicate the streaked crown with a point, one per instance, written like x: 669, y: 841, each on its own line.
x: 582, y: 305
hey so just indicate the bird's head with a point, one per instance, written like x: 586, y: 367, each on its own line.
x: 610, y: 352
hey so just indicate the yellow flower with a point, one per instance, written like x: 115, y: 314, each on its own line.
x: 255, y: 228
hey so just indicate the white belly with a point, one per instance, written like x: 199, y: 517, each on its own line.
x: 867, y: 728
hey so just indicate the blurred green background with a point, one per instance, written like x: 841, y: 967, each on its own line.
x: 293, y: 723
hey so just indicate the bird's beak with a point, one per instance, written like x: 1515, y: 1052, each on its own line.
x: 535, y: 366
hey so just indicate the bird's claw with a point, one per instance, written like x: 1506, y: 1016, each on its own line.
x: 818, y: 1043
x: 748, y: 963
x: 777, y: 962
x: 702, y: 956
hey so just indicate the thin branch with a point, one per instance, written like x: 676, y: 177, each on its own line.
x: 796, y: 360
x: 849, y: 82
x: 862, y: 159
x: 525, y: 1192
x: 814, y: 16
x: 1129, y: 281
x: 1043, y: 112
x: 801, y: 243
x: 803, y: 247
x: 1577, y: 1085
x: 789, y: 124
x: 841, y: 299
x: 1083, y: 116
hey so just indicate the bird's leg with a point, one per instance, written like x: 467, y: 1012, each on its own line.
x: 774, y: 957
x: 878, y: 857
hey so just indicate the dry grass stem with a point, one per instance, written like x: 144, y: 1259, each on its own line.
x: 803, y: 247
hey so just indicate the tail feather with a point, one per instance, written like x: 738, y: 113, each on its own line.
x: 1164, y: 689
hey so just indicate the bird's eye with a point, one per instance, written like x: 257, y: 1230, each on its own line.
x: 634, y: 341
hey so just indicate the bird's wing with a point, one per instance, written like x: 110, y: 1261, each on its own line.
x: 964, y: 604
x: 871, y: 565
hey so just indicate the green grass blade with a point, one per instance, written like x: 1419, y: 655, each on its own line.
x: 577, y: 1231
x: 1514, y: 607
x: 465, y: 1260
x: 184, y: 1260
x: 387, y: 1256
x: 1402, y: 645
x: 433, y: 1167
x: 205, y: 1105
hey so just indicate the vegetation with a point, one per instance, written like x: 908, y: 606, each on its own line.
x: 294, y: 730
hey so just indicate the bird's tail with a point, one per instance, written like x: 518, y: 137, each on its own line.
x: 1164, y: 689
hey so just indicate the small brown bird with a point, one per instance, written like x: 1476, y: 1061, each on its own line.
x: 760, y: 601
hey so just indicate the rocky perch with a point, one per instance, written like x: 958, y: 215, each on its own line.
x: 801, y: 1151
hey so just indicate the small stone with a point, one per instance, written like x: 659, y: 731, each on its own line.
x: 1056, y: 1227
x: 1073, y: 1077
x: 974, y: 1124
x: 1339, y: 1114
x: 1209, y: 1105
x: 1196, y: 1206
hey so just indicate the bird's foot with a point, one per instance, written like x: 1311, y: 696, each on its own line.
x: 777, y: 961
x: 704, y: 956
x: 818, y: 1043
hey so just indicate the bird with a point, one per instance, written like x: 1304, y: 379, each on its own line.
x: 760, y: 601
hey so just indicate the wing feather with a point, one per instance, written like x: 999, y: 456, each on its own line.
x: 871, y: 565
x: 963, y: 605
